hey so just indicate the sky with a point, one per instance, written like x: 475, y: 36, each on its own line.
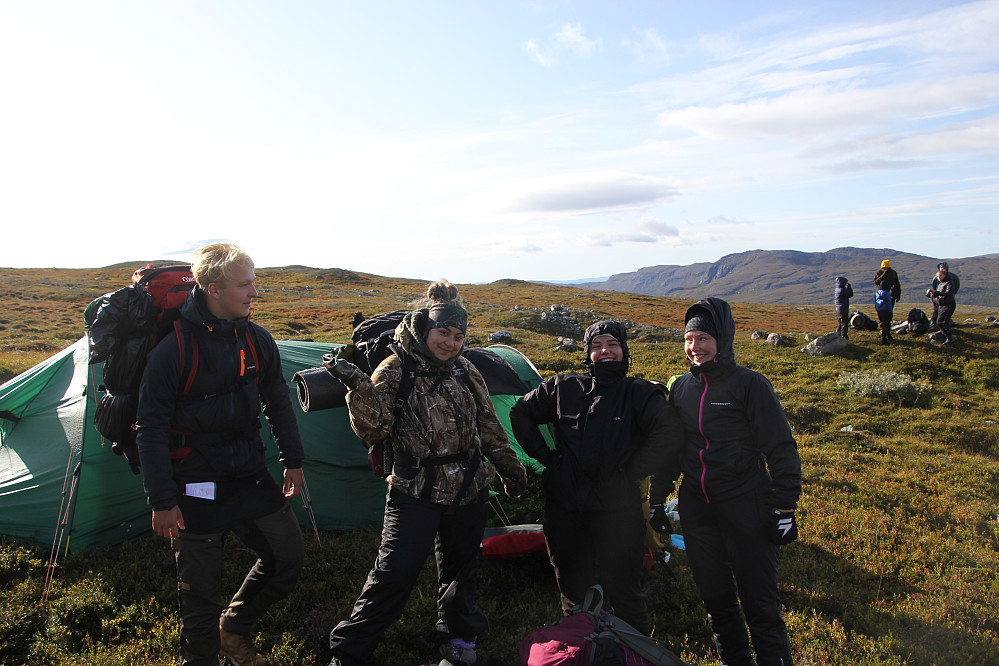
x: 477, y: 140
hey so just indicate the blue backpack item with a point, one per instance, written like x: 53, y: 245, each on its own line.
x: 883, y: 300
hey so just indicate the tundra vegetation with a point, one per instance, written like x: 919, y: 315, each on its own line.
x: 898, y: 560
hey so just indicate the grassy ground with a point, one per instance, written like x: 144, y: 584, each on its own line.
x: 897, y: 562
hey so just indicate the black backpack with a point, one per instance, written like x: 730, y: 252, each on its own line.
x: 123, y: 328
x: 372, y: 337
x: 918, y: 321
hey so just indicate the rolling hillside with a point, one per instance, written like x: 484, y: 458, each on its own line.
x: 806, y: 278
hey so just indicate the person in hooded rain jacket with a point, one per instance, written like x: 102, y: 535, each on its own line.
x: 841, y: 299
x: 448, y: 446
x: 611, y: 431
x: 739, y: 491
x: 203, y: 462
x: 942, y: 290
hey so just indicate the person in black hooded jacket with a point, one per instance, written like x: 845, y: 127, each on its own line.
x: 942, y: 290
x: 842, y: 294
x: 611, y: 431
x: 740, y: 488
x: 203, y: 461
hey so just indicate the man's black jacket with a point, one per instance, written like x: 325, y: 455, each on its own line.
x: 219, y: 417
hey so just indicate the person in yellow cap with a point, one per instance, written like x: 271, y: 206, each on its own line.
x: 889, y: 291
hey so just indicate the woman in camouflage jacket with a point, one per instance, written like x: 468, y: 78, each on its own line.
x: 448, y: 446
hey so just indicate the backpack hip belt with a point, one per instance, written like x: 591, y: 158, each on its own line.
x: 406, y: 460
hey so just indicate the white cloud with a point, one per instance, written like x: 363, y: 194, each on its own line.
x: 821, y: 110
x: 569, y: 39
x: 534, y: 50
x: 647, y: 230
x: 648, y: 45
x: 655, y: 227
x: 582, y: 193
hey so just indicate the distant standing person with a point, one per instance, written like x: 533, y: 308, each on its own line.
x: 841, y: 299
x: 886, y: 280
x: 945, y: 284
x: 740, y: 488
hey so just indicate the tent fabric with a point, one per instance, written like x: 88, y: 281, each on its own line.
x: 48, y: 443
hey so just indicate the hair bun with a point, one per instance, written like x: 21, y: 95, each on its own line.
x: 443, y: 291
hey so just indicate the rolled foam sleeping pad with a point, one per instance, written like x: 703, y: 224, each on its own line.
x: 318, y: 389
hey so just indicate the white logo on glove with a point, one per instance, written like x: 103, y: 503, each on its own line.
x: 784, y: 525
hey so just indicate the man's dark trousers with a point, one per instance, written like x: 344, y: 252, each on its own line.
x: 276, y: 538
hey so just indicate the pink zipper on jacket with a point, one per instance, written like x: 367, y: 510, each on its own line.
x: 707, y: 444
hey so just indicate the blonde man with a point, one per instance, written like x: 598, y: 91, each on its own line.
x: 203, y: 461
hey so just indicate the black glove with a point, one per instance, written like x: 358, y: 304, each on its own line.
x: 347, y: 352
x: 516, y: 488
x: 785, y: 527
x: 345, y: 371
x: 659, y: 520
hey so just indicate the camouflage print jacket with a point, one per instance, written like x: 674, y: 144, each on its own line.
x: 442, y: 417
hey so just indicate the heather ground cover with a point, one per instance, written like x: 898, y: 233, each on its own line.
x: 899, y: 553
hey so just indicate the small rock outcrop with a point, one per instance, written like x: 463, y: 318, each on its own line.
x: 825, y: 345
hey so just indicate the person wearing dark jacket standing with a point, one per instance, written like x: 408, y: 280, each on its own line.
x: 611, y: 431
x: 886, y: 279
x: 841, y: 299
x: 740, y: 488
x: 942, y: 290
x: 203, y: 461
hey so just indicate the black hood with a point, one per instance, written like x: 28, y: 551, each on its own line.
x: 841, y: 282
x: 719, y: 312
x: 606, y: 327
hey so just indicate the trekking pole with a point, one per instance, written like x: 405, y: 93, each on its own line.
x: 307, y: 501
x: 500, y: 513
x: 62, y: 524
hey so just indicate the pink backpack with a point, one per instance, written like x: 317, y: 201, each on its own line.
x: 590, y: 637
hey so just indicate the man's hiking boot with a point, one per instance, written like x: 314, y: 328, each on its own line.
x: 239, y: 650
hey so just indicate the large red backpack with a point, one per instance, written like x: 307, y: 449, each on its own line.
x: 123, y: 327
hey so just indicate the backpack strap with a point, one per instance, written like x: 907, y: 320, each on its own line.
x: 406, y: 381
x: 188, y: 360
x: 253, y: 352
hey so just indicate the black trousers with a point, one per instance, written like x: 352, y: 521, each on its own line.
x: 734, y: 563
x: 410, y: 530
x: 599, y: 547
x: 944, y: 315
x: 843, y: 323
x: 884, y: 323
x: 276, y: 538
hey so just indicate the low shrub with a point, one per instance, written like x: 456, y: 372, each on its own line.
x: 888, y: 386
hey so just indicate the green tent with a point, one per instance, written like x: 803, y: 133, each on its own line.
x: 62, y: 486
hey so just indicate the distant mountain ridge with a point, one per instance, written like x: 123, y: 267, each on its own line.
x: 806, y: 278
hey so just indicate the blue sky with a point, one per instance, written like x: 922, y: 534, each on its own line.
x: 482, y: 140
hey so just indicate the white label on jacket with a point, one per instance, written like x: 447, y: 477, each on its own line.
x: 203, y: 490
